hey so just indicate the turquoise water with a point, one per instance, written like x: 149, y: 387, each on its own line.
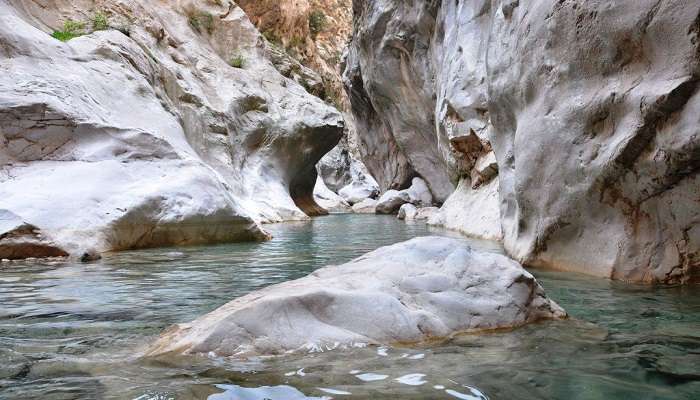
x: 71, y: 331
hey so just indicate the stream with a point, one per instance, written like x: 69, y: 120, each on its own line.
x: 75, y: 331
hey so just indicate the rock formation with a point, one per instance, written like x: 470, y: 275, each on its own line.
x: 570, y: 127
x: 417, y: 194
x: 366, y: 206
x: 19, y: 240
x: 426, y: 288
x: 168, y: 126
x: 328, y: 199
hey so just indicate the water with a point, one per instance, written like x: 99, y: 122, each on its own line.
x: 75, y: 331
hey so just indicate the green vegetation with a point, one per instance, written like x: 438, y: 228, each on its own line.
x: 100, y: 22
x: 201, y: 21
x: 71, y: 29
x: 317, y: 22
x: 237, y: 61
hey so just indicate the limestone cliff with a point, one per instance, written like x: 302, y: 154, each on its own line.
x: 165, y: 123
x: 571, y: 127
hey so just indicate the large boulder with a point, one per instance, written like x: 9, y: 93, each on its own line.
x: 418, y: 195
x: 391, y: 201
x: 425, y: 288
x: 155, y: 137
x: 366, y: 206
x: 407, y: 212
x: 19, y: 240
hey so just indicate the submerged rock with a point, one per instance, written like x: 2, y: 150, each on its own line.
x: 425, y: 288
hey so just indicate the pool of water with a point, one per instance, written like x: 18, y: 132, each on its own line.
x: 75, y: 331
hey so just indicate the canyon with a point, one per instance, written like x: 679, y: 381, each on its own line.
x: 208, y: 195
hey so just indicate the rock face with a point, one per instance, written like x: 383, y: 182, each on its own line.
x: 113, y: 141
x: 19, y: 240
x: 571, y: 127
x: 343, y: 173
x: 425, y: 288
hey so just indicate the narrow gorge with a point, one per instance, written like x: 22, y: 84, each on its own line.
x: 326, y: 199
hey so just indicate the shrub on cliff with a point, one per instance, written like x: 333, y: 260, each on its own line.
x: 71, y: 29
x: 317, y: 22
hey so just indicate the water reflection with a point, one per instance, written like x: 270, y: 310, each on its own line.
x: 74, y: 331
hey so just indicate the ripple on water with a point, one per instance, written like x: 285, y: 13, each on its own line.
x: 74, y: 331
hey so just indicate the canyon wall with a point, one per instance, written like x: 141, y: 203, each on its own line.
x: 570, y: 128
x: 169, y: 124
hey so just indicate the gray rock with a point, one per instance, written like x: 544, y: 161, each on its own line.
x: 474, y: 212
x: 407, y: 212
x: 339, y: 169
x: 418, y: 195
x: 391, y: 201
x: 426, y: 213
x: 366, y: 206
x: 426, y: 288
x: 329, y: 200
x: 590, y: 110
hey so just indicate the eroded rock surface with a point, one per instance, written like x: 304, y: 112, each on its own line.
x: 425, y: 288
x: 570, y: 127
x: 112, y: 141
x: 19, y: 240
x: 328, y: 199
x: 366, y: 206
x: 418, y: 195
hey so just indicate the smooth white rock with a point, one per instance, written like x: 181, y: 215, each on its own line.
x: 474, y: 212
x: 328, y: 199
x: 366, y: 206
x: 407, y: 212
x: 427, y: 287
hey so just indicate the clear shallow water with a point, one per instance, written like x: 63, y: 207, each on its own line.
x: 74, y: 331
